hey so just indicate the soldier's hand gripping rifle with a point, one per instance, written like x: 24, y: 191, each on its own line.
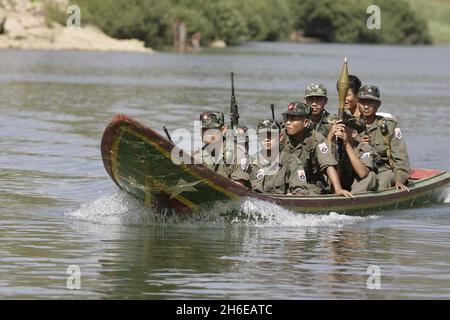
x: 343, y: 85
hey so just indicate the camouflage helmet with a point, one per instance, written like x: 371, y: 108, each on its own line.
x: 315, y: 90
x: 268, y: 125
x: 369, y: 92
x: 298, y: 109
x: 212, y: 120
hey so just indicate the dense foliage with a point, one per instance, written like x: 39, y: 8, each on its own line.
x: 235, y: 21
x: 345, y: 21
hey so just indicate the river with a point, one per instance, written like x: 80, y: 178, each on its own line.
x: 61, y: 216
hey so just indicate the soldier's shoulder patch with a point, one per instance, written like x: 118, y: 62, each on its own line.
x: 365, y: 155
x: 398, y: 133
x: 260, y: 174
x: 323, y: 147
x: 301, y: 175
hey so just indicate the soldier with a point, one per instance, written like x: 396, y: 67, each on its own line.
x: 213, y: 153
x: 307, y: 155
x: 357, y: 167
x: 351, y: 101
x: 387, y: 140
x: 316, y: 97
x: 267, y: 175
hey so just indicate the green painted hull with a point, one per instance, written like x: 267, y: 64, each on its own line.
x: 138, y: 159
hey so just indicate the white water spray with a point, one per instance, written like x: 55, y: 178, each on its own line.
x: 119, y: 208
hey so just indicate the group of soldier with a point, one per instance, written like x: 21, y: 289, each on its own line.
x: 374, y: 154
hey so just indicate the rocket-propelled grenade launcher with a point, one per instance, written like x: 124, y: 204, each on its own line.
x: 343, y: 85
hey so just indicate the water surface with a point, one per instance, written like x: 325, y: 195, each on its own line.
x: 59, y: 207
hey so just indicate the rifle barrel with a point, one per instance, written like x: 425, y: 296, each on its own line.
x: 167, y: 134
x: 234, y: 112
x: 232, y: 85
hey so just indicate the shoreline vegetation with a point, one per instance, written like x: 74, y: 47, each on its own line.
x: 189, y: 25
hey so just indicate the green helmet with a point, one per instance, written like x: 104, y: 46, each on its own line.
x: 369, y: 92
x: 315, y: 90
x: 298, y: 109
x: 268, y: 125
x: 212, y: 120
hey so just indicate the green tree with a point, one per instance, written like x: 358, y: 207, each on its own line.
x: 235, y: 21
x: 228, y: 23
x: 272, y: 22
x: 147, y: 20
x: 345, y: 21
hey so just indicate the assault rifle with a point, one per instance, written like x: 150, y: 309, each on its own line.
x: 354, y: 123
x: 234, y: 112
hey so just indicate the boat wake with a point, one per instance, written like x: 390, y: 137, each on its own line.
x: 119, y: 208
x: 115, y: 208
x: 262, y: 213
x: 447, y: 197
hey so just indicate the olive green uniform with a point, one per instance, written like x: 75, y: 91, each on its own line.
x: 393, y: 168
x: 240, y: 169
x: 232, y: 171
x: 267, y: 177
x: 325, y: 123
x: 350, y: 180
x: 327, y: 120
x: 306, y: 163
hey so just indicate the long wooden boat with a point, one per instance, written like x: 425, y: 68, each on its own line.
x: 138, y: 159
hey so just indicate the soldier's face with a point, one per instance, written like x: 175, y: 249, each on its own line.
x: 210, y: 136
x: 368, y: 107
x: 350, y: 100
x: 317, y: 104
x: 295, y: 124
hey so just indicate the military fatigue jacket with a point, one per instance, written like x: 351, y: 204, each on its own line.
x: 391, y: 139
x: 325, y: 123
x: 267, y: 177
x: 306, y: 162
x: 232, y: 171
x: 366, y: 154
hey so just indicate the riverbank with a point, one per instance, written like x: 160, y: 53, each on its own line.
x: 23, y: 25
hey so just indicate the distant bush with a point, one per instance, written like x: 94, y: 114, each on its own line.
x: 53, y: 13
x: 267, y: 20
x: 227, y: 22
x: 345, y: 21
x: 437, y: 15
x: 147, y: 20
